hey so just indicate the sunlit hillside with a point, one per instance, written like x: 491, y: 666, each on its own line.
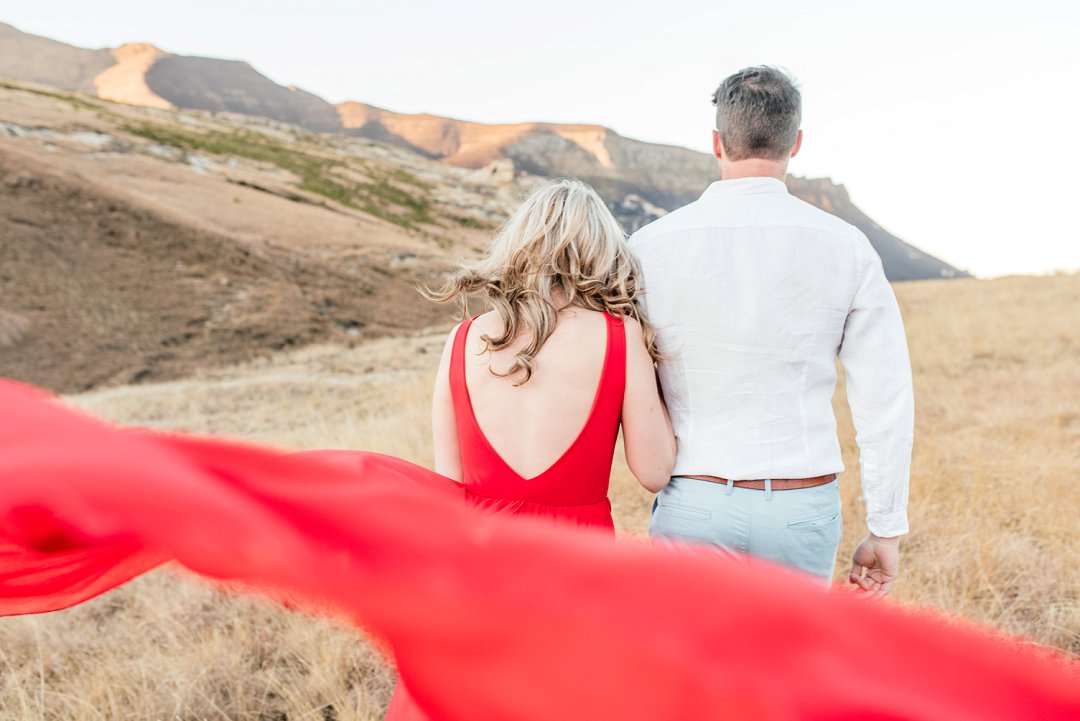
x: 994, y: 505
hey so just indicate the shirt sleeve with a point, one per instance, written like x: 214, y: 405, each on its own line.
x: 874, y: 354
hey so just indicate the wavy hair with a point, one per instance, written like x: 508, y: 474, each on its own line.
x: 563, y: 238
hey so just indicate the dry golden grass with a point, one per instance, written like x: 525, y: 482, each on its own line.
x: 994, y: 494
x: 163, y: 648
x: 12, y: 328
x: 994, y: 504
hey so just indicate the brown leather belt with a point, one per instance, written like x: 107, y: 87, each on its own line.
x: 778, y: 484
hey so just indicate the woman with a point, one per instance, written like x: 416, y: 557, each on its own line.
x: 527, y: 407
x: 529, y: 397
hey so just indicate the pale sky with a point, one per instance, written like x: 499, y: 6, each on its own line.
x: 952, y: 124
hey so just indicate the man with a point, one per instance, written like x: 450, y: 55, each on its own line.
x: 754, y: 295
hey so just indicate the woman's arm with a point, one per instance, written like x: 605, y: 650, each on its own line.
x: 443, y: 420
x: 648, y: 438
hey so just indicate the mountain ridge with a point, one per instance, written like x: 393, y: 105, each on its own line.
x: 639, y: 180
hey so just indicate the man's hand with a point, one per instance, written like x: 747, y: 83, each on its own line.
x: 875, y: 565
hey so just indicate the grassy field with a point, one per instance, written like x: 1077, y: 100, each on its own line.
x: 994, y: 504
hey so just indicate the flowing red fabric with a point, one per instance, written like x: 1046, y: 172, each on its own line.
x: 488, y: 617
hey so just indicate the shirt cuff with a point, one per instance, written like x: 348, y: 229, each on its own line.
x: 888, y: 524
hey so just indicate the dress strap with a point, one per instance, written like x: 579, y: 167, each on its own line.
x: 615, y: 364
x: 458, y: 389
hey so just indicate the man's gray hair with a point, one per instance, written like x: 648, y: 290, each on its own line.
x: 758, y: 112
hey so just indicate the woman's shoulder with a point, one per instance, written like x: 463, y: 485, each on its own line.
x: 489, y: 321
x: 589, y: 322
x: 451, y: 337
x: 633, y: 328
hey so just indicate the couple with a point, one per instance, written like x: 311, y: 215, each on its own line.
x: 752, y: 295
x: 741, y: 302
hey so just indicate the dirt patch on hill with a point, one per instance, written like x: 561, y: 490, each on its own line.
x: 96, y: 290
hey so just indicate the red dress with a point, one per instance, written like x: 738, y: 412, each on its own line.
x: 573, y: 490
x: 490, y: 617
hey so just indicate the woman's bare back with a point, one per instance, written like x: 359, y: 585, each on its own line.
x: 532, y: 425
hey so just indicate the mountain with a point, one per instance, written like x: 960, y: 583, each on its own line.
x: 40, y: 60
x: 142, y: 74
x: 640, y: 181
x: 235, y: 86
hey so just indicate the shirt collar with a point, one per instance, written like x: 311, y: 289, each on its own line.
x: 744, y: 186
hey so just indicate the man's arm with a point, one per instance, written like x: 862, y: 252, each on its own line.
x: 874, y: 354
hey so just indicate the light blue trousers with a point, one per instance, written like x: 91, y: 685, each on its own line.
x: 799, y: 528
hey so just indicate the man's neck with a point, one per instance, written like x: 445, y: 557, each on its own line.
x: 753, y: 168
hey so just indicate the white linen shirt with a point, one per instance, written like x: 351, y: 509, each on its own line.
x: 754, y: 295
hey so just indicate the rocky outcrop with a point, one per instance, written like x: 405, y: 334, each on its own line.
x: 468, y: 144
x: 125, y: 82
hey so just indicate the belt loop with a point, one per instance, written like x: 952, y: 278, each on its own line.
x: 768, y: 489
x: 730, y: 486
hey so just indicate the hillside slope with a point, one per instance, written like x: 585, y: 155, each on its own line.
x: 144, y: 244
x: 98, y: 290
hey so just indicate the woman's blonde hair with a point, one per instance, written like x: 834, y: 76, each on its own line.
x: 564, y: 238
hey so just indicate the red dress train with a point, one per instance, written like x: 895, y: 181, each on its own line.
x: 489, y: 617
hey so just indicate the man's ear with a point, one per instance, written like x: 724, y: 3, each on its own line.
x: 717, y: 146
x: 798, y: 144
